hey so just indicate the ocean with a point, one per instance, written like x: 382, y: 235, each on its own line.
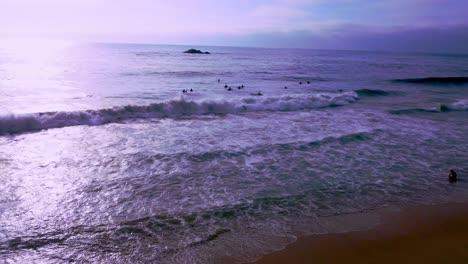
x: 104, y: 158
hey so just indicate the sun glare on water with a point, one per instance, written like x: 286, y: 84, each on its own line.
x: 33, y: 68
x: 34, y: 48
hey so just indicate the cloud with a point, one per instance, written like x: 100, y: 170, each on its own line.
x: 444, y: 39
x: 288, y: 23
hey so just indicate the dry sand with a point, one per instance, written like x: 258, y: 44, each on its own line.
x: 423, y: 234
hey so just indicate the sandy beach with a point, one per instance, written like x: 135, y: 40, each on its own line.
x: 422, y: 234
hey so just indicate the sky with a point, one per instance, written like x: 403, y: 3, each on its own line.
x: 396, y: 25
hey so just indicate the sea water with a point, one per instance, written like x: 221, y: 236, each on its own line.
x: 103, y: 158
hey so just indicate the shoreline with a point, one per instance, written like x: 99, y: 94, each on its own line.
x: 415, y: 234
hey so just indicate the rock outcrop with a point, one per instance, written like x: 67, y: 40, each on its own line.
x: 195, y: 51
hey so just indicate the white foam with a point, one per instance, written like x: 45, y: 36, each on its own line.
x: 460, y: 105
x: 12, y: 123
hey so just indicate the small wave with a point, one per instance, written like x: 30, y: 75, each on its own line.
x: 414, y: 111
x: 151, y: 53
x: 173, y: 73
x: 436, y: 80
x: 262, y: 72
x: 305, y: 79
x: 461, y: 105
x: 33, y: 242
x: 12, y: 124
x: 369, y: 92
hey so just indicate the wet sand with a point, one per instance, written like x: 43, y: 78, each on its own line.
x: 422, y: 234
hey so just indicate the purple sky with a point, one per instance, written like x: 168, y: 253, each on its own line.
x: 420, y: 25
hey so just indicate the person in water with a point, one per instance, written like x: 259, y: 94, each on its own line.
x: 452, y: 176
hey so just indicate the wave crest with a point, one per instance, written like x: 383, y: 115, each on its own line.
x: 436, y: 80
x: 12, y: 124
x: 370, y: 92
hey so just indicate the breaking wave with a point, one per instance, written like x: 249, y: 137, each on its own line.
x: 436, y: 80
x: 12, y: 124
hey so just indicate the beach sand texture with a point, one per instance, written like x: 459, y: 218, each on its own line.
x: 423, y: 234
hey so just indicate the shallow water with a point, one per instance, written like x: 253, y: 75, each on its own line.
x: 104, y: 159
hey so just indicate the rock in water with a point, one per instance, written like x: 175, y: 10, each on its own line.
x: 195, y: 51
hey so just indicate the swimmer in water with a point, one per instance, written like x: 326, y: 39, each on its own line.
x: 452, y: 176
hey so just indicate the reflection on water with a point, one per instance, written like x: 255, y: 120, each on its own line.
x: 33, y: 75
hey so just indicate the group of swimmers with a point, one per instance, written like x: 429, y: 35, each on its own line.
x: 229, y: 88
x: 187, y: 90
x: 240, y: 87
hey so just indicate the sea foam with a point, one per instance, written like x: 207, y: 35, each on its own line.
x: 12, y: 124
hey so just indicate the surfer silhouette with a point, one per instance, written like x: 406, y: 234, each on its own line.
x: 452, y: 176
